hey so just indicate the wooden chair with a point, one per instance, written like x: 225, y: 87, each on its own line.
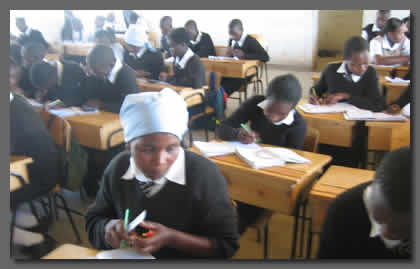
x: 60, y: 131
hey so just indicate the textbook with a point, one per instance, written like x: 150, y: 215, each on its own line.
x: 362, y: 114
x: 123, y: 254
x: 72, y: 111
x: 321, y: 109
x: 397, y: 80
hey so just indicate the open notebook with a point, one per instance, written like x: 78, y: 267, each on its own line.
x: 321, y: 109
x: 223, y: 58
x: 71, y: 111
x: 211, y: 149
x: 123, y: 254
x: 362, y: 114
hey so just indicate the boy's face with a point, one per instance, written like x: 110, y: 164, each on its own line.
x: 398, y: 35
x: 103, y: 41
x: 166, y: 27
x: 155, y: 153
x: 358, y: 63
x: 178, y: 50
x: 192, y: 32
x: 235, y: 32
x: 381, y: 20
x: 277, y: 111
x: 132, y: 49
x: 30, y: 58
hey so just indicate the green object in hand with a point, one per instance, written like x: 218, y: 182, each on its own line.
x: 249, y: 131
x: 127, y: 213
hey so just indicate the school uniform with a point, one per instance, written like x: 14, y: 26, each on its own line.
x: 364, y: 90
x: 164, y: 45
x: 349, y: 231
x: 203, y: 45
x: 29, y: 137
x: 188, y: 71
x: 381, y: 46
x: 253, y: 51
x: 147, y: 59
x: 32, y: 35
x: 370, y: 31
x: 289, y: 133
x: 15, y: 53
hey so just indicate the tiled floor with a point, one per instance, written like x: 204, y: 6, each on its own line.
x: 280, y: 228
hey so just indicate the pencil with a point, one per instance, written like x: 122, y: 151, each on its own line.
x: 249, y: 131
x: 127, y: 212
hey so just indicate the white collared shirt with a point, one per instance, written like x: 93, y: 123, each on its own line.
x: 383, y: 47
x: 197, y: 40
x: 290, y: 118
x: 240, y: 42
x: 175, y: 174
x: 376, y: 229
x: 375, y: 28
x: 11, y: 97
x: 343, y: 70
x: 182, y: 62
x: 114, y: 72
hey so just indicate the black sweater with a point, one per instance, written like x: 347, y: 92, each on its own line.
x: 205, y: 47
x: 34, y: 36
x: 193, y: 75
x: 346, y: 230
x: 364, y: 94
x: 405, y: 98
x: 252, y: 49
x: 290, y: 136
x: 164, y: 46
x: 150, y: 61
x: 201, y: 207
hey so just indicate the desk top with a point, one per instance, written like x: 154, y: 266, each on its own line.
x: 70, y: 251
x: 338, y: 117
x: 148, y: 86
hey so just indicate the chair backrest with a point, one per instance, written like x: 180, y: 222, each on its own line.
x: 311, y: 140
x: 217, y: 78
x: 59, y: 128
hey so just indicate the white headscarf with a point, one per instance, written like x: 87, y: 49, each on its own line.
x: 154, y: 112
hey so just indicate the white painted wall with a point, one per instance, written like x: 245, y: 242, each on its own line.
x: 290, y: 34
x: 369, y: 16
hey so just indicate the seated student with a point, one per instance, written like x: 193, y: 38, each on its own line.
x: 352, y: 81
x: 200, y: 43
x: 393, y: 47
x: 176, y: 187
x: 242, y: 46
x: 99, y: 25
x: 165, y: 28
x: 373, y: 220
x: 28, y: 34
x: 139, y: 55
x: 188, y: 69
x: 31, y: 53
x: 274, y: 120
x: 107, y: 38
x: 111, y: 80
x: 372, y: 30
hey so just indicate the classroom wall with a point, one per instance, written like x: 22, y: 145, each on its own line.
x: 369, y: 16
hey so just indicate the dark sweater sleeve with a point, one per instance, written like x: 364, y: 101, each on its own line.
x: 230, y: 127
x: 372, y: 100
x: 256, y: 51
x: 157, y: 65
x: 405, y: 98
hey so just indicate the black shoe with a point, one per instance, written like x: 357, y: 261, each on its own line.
x: 36, y: 252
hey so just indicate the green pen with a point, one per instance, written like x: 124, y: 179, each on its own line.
x: 249, y: 131
x: 127, y: 213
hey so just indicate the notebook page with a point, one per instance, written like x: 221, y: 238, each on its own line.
x: 123, y: 254
x: 336, y: 108
x: 287, y: 155
x: 258, y: 158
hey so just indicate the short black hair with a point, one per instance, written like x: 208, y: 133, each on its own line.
x: 392, y: 25
x: 384, y: 12
x: 100, y: 55
x: 40, y: 74
x: 285, y: 88
x: 165, y: 18
x: 191, y: 22
x: 15, y: 53
x: 104, y: 34
x: 355, y: 44
x: 179, y: 36
x: 236, y: 22
x: 35, y: 49
x: 133, y: 17
x: 394, y: 179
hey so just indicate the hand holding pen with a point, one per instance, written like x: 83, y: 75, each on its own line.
x: 247, y: 136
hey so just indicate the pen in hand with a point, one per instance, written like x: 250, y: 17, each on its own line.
x: 249, y: 131
x: 127, y: 212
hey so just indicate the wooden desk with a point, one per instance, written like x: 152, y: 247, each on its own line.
x: 94, y: 130
x: 156, y: 87
x: 80, y: 49
x: 388, y: 136
x: 394, y: 91
x: 332, y: 127
x: 275, y: 188
x: 335, y: 181
x: 18, y: 165
x: 230, y: 68
x: 70, y: 252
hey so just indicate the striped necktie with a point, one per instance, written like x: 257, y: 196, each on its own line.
x: 146, y: 187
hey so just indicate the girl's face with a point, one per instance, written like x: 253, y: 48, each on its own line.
x: 358, y: 63
x: 155, y: 153
x: 277, y: 111
x: 398, y: 35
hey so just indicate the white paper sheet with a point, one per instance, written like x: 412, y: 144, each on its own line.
x: 321, y: 109
x: 123, y: 254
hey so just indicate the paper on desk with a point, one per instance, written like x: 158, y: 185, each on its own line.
x: 406, y: 110
x: 287, y: 155
x: 259, y: 158
x: 123, y: 254
x: 397, y: 80
x: 223, y: 58
x: 320, y: 109
x: 211, y: 149
x: 71, y: 111
x: 362, y: 114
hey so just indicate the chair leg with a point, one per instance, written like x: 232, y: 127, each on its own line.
x: 266, y: 241
x: 44, y: 206
x: 66, y: 209
x: 309, y: 245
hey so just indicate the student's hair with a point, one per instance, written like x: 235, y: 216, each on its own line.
x: 285, y: 88
x: 394, y: 179
x: 35, y: 49
x: 165, y: 18
x: 384, y: 12
x: 355, y: 44
x: 41, y: 73
x: 191, y: 22
x: 133, y: 18
x: 392, y: 25
x: 179, y: 36
x: 15, y: 53
x: 236, y: 22
x: 100, y: 55
x: 103, y: 34
x: 406, y: 19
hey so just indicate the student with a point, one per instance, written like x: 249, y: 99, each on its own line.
x: 372, y: 30
x: 114, y: 24
x: 78, y: 33
x: 107, y: 38
x: 176, y: 187
x: 274, y: 120
x: 113, y: 80
x: 63, y: 80
x: 165, y: 28
x: 99, y: 25
x: 28, y: 34
x: 393, y: 47
x: 31, y: 53
x: 139, y: 55
x: 188, y: 69
x: 406, y: 22
x: 373, y: 220
x: 352, y: 81
x: 200, y: 43
x: 242, y: 46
